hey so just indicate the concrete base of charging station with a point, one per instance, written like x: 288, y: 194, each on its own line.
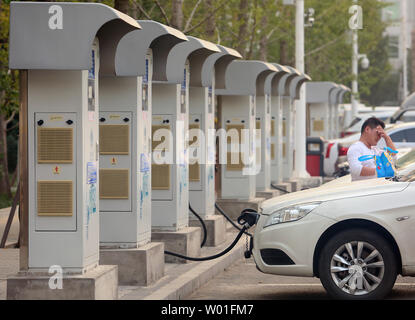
x: 140, y: 266
x: 268, y: 194
x: 216, y: 229
x: 311, y: 182
x: 284, y: 186
x: 99, y: 283
x: 185, y: 241
x: 295, y: 184
x: 234, y: 207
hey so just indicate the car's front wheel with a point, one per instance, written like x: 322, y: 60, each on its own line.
x: 357, y: 264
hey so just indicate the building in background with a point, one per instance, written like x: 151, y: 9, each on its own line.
x: 393, y: 14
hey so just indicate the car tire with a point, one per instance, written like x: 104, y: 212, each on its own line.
x: 359, y: 279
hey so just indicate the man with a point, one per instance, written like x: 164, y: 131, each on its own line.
x: 371, y: 132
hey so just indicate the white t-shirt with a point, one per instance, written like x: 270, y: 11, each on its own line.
x: 355, y: 151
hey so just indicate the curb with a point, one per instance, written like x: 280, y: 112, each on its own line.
x: 192, y: 280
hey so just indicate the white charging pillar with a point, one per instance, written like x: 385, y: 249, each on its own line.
x: 339, y: 119
x: 336, y: 98
x: 276, y: 125
x: 202, y: 114
x: 60, y: 45
x: 288, y: 114
x: 125, y: 124
x: 237, y: 148
x: 299, y: 135
x: 264, y: 123
x: 318, y: 109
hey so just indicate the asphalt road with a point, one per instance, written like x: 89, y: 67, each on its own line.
x: 242, y: 281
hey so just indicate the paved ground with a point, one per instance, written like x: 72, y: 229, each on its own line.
x: 242, y: 281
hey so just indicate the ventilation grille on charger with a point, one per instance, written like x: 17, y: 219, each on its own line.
x: 114, y: 139
x: 54, y: 198
x: 113, y: 183
x: 55, y: 145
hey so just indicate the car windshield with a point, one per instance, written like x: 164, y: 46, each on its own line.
x: 408, y: 177
x: 405, y: 160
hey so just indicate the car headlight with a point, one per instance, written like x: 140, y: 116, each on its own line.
x: 292, y: 213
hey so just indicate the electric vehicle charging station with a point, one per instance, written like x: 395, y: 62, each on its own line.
x: 333, y: 110
x: 237, y: 104
x: 288, y: 113
x: 170, y: 169
x: 263, y: 122
x: 317, y: 100
x: 276, y: 128
x: 295, y: 88
x: 337, y: 118
x: 201, y: 119
x: 125, y: 154
x: 58, y: 48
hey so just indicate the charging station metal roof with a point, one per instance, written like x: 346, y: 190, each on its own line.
x: 334, y: 95
x: 218, y: 62
x: 285, y: 81
x: 130, y: 58
x: 242, y: 76
x: 319, y: 91
x: 59, y: 35
x: 342, y: 93
x: 196, y: 51
x: 296, y: 83
x: 272, y: 81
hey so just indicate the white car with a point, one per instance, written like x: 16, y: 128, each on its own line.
x: 355, y: 237
x: 402, y: 134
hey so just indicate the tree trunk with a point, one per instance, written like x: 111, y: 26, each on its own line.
x: 211, y: 22
x: 283, y: 52
x: 263, y: 42
x: 243, y: 27
x: 177, y: 14
x: 4, y: 165
x: 122, y: 5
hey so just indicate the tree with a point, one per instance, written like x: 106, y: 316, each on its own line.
x: 8, y: 99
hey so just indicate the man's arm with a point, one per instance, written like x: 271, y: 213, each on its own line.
x: 356, y: 167
x: 386, y: 137
x: 366, y: 171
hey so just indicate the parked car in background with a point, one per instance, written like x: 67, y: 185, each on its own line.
x: 403, y: 136
x: 402, y: 115
x: 361, y: 117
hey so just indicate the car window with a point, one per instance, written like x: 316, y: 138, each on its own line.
x: 354, y: 121
x: 407, y: 116
x: 410, y: 135
x: 398, y: 136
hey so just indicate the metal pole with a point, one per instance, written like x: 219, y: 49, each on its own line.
x: 404, y: 51
x: 300, y: 115
x: 355, y: 70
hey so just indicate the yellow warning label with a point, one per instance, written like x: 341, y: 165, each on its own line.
x: 56, y: 170
x: 56, y: 118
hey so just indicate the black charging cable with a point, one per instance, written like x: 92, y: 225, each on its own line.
x: 203, y: 226
x: 247, y: 219
x: 280, y: 189
x: 229, y: 219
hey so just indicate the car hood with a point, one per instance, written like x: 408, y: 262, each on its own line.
x: 346, y: 190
